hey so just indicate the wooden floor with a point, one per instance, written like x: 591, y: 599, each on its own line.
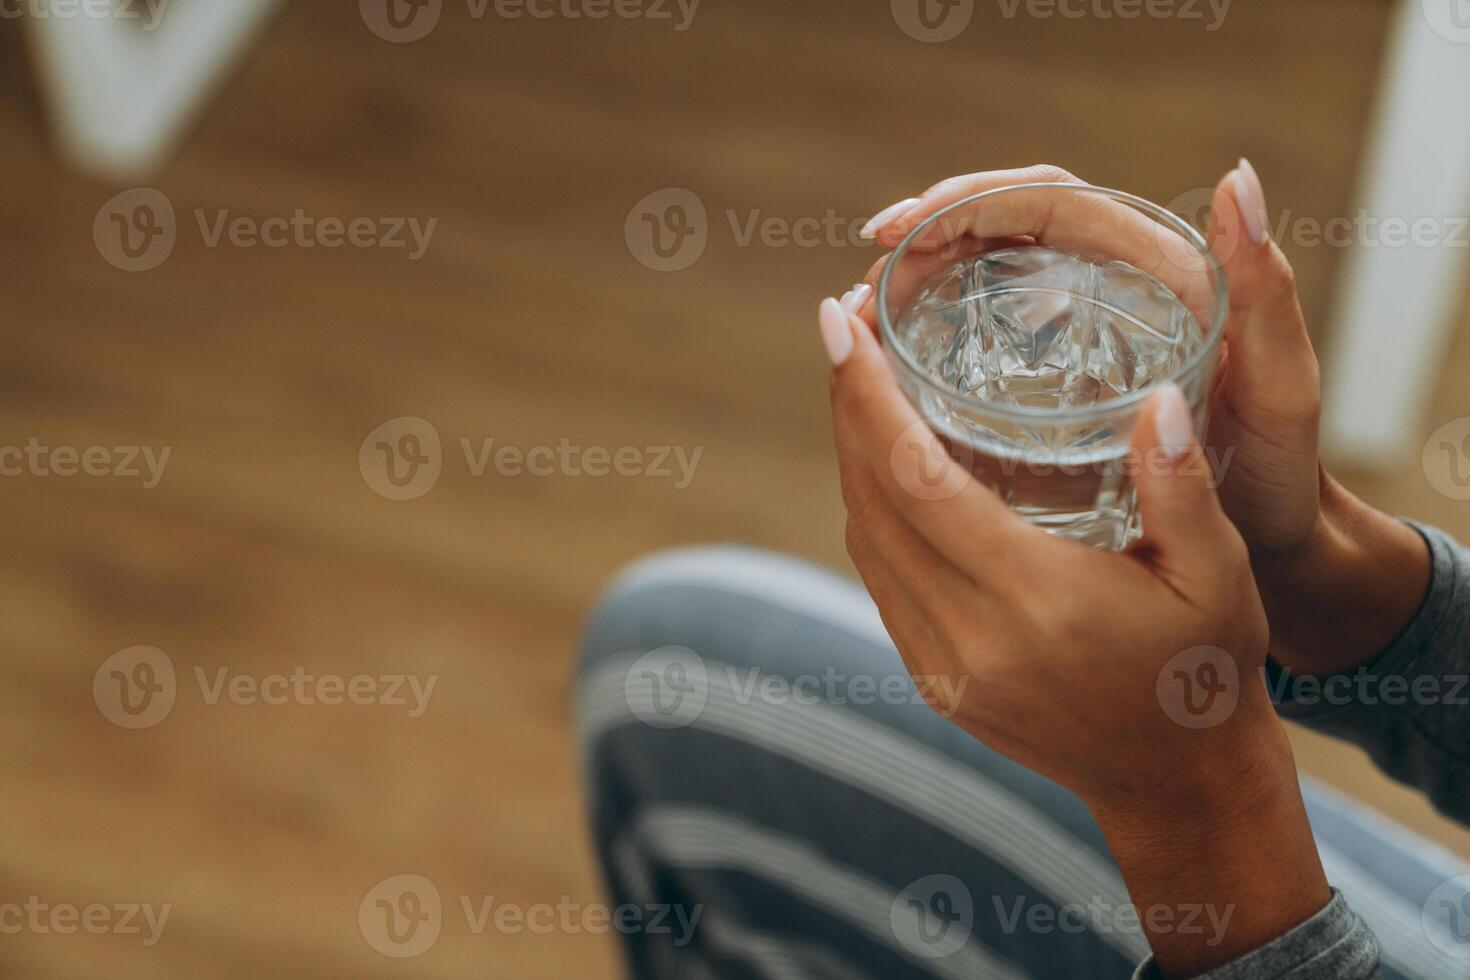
x: 529, y: 321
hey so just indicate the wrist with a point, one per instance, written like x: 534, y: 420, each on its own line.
x: 1230, y: 839
x: 1340, y: 597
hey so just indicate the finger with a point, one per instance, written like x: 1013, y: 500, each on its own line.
x: 916, y: 641
x: 1273, y: 369
x: 962, y: 520
x: 955, y: 189
x: 1184, y: 528
x: 1086, y: 223
x: 899, y: 546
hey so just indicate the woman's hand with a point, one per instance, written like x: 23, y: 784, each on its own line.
x: 1317, y: 552
x: 1076, y: 662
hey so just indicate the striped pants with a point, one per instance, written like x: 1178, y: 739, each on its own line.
x: 771, y: 794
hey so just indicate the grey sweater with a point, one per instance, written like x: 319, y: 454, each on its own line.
x: 1406, y: 708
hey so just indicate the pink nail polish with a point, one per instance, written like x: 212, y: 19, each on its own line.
x: 856, y: 297
x: 1172, y: 422
x: 1252, y: 202
x: 836, y: 334
x: 886, y: 217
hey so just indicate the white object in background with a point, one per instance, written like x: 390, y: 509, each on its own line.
x: 1395, y: 304
x: 121, y: 91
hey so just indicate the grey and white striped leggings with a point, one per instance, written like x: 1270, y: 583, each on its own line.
x: 759, y: 767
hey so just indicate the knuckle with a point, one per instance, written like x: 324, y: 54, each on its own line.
x: 952, y: 186
x: 1283, y: 275
x: 1052, y: 174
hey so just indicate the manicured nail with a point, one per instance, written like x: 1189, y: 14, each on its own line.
x: 856, y: 297
x: 836, y: 334
x: 884, y: 217
x: 1252, y: 202
x: 1172, y: 422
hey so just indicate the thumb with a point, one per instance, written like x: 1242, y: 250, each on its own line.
x: 1183, y: 524
x: 1273, y: 367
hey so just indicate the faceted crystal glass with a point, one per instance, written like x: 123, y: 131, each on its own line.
x: 1030, y: 324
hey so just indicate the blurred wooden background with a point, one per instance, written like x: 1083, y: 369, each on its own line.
x: 529, y: 321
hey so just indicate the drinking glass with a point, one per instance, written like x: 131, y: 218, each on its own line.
x: 1030, y: 324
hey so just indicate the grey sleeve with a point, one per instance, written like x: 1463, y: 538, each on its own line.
x: 1407, y: 706
x: 1334, y: 944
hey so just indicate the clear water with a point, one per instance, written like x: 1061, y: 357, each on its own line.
x: 1047, y: 329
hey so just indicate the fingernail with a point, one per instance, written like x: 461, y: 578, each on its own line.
x: 882, y: 218
x: 1172, y: 422
x: 836, y: 334
x: 856, y: 297
x: 1252, y: 202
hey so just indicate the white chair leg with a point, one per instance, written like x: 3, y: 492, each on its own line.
x: 1396, y: 301
x: 120, y: 94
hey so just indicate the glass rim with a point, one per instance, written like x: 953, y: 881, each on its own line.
x: 1023, y: 412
